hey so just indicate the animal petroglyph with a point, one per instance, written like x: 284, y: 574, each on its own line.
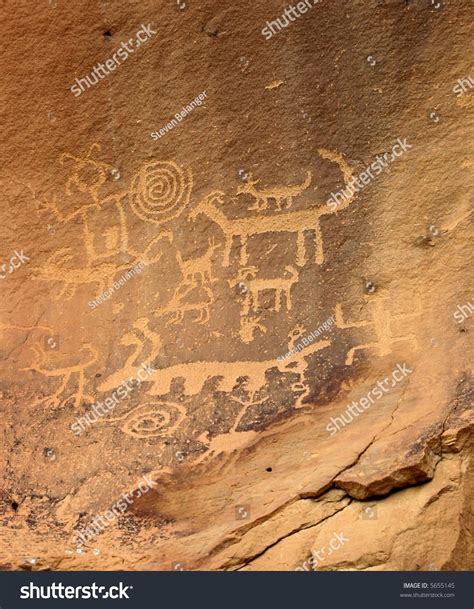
x: 147, y: 345
x: 151, y: 420
x: 160, y: 191
x: 198, y: 268
x: 66, y: 374
x: 281, y: 195
x: 254, y: 287
x: 56, y: 269
x: 188, y: 299
x: 290, y: 222
x: 382, y: 325
x: 195, y: 374
x: 103, y: 245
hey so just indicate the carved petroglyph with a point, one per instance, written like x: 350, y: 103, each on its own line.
x: 151, y: 420
x: 188, y: 299
x: 195, y: 374
x: 381, y: 322
x: 160, y: 191
x: 155, y: 185
x: 282, y: 195
x: 249, y: 327
x: 200, y: 268
x: 147, y: 346
x: 290, y: 222
x: 88, y: 175
x: 66, y: 374
x: 247, y: 403
x: 255, y: 286
x: 56, y: 269
x: 298, y: 364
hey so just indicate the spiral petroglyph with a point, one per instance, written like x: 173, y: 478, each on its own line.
x: 160, y: 191
x: 153, y: 420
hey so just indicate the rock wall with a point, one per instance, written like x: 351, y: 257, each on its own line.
x: 236, y: 317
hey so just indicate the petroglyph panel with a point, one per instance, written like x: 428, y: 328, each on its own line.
x: 209, y: 306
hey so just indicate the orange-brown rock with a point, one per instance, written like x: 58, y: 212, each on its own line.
x: 270, y: 235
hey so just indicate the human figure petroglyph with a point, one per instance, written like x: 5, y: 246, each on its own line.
x: 66, y: 373
x: 297, y: 362
x: 247, y: 402
x: 88, y: 175
x: 200, y: 267
x: 155, y: 184
x: 381, y: 322
x: 255, y: 286
x: 290, y: 222
x: 281, y: 195
x: 101, y: 248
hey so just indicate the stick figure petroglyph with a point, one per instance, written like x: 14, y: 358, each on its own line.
x: 381, y: 323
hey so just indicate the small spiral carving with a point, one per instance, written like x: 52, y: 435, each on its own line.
x: 160, y: 191
x: 152, y: 420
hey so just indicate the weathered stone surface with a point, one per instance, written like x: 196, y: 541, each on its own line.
x: 225, y: 251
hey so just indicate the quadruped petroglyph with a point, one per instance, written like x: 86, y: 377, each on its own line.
x: 160, y: 198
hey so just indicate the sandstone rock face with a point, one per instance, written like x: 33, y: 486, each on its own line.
x: 236, y: 312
